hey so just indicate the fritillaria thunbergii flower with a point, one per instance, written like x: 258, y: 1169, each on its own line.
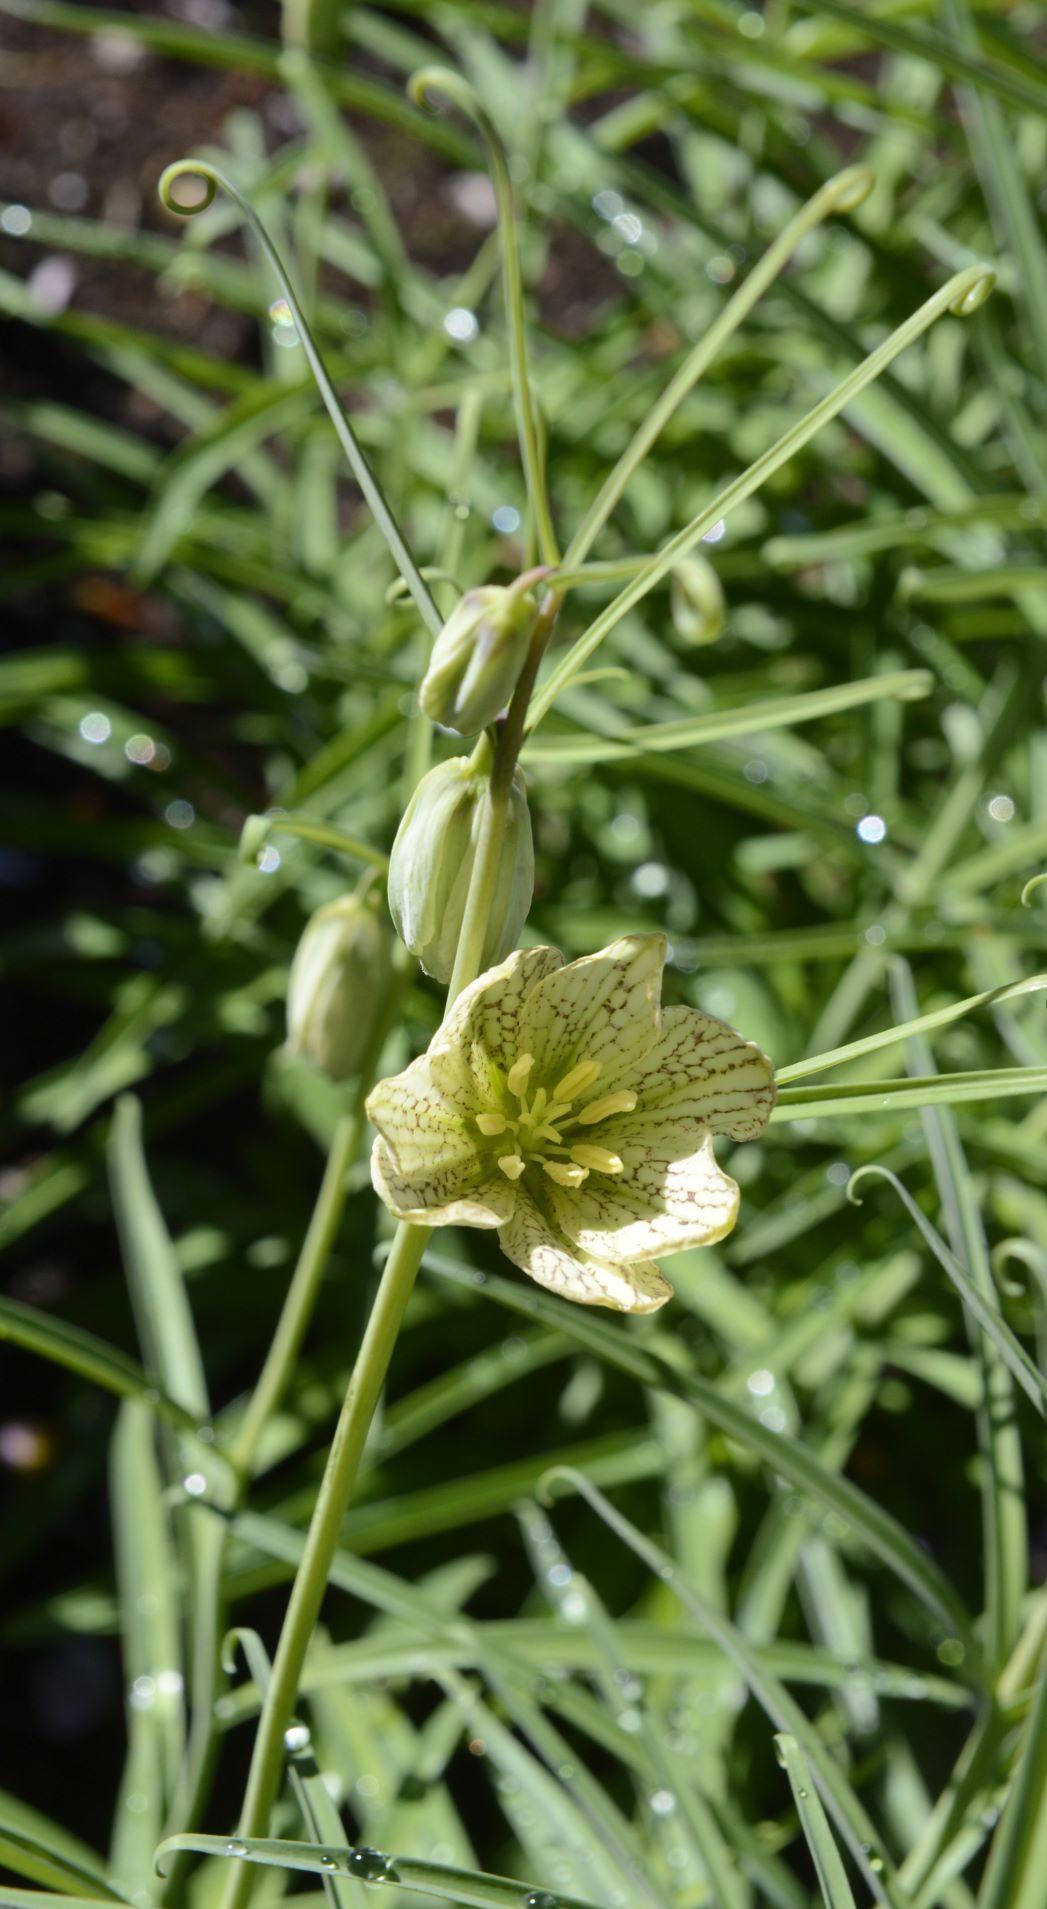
x: 563, y: 1105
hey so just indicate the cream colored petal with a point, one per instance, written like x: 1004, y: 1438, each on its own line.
x: 602, y: 1008
x: 534, y: 1245
x: 483, y: 1026
x: 443, y: 1198
x: 669, y: 1196
x: 423, y: 1117
x: 423, y: 1112
x: 700, y: 1073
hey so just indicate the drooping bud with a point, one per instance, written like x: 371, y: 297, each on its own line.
x: 432, y: 862
x: 477, y: 658
x: 338, y: 984
x: 696, y: 602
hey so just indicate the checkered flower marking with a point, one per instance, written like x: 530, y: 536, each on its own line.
x: 563, y: 1105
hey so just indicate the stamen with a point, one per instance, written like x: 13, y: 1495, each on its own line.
x: 491, y: 1124
x: 621, y: 1103
x: 516, y: 1079
x: 597, y: 1159
x: 565, y: 1175
x: 576, y: 1081
x: 512, y: 1165
x: 538, y: 1105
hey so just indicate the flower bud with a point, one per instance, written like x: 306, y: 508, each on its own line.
x: 696, y: 602
x: 432, y: 861
x: 253, y: 838
x: 337, y: 986
x: 477, y: 658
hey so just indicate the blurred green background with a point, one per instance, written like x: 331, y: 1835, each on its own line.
x: 201, y: 628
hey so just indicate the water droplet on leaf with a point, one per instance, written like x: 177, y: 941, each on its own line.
x: 371, y: 1865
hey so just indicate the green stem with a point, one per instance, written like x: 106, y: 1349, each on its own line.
x: 301, y: 1294
x: 258, y: 828
x: 372, y: 490
x: 469, y: 957
x: 961, y: 296
x: 343, y: 1463
x: 441, y: 79
x: 840, y: 194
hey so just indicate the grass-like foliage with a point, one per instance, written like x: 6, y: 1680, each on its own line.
x: 730, y: 326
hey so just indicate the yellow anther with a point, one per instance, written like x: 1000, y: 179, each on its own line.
x: 512, y: 1165
x: 621, y: 1103
x: 597, y: 1159
x: 491, y: 1124
x: 576, y: 1081
x: 565, y: 1175
x: 516, y: 1079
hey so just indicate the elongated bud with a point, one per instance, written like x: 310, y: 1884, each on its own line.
x: 432, y: 861
x: 696, y: 602
x: 477, y: 658
x: 338, y: 984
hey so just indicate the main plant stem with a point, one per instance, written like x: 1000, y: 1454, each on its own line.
x: 372, y: 1361
x: 343, y: 1464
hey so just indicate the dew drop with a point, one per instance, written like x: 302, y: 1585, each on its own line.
x: 328, y: 1862
x: 370, y: 1865
x: 540, y: 1899
x: 296, y: 1738
x: 236, y: 1848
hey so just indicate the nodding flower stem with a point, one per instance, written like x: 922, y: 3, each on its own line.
x: 963, y: 294
x: 506, y: 751
x: 439, y: 79
x: 843, y: 193
x: 214, y: 182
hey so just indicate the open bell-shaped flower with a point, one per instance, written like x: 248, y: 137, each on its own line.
x: 564, y: 1106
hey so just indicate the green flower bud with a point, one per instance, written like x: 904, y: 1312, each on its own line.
x: 696, y: 602
x: 477, y: 658
x: 253, y: 838
x: 337, y: 986
x: 432, y: 861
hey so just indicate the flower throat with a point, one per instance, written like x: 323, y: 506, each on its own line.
x: 538, y: 1132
